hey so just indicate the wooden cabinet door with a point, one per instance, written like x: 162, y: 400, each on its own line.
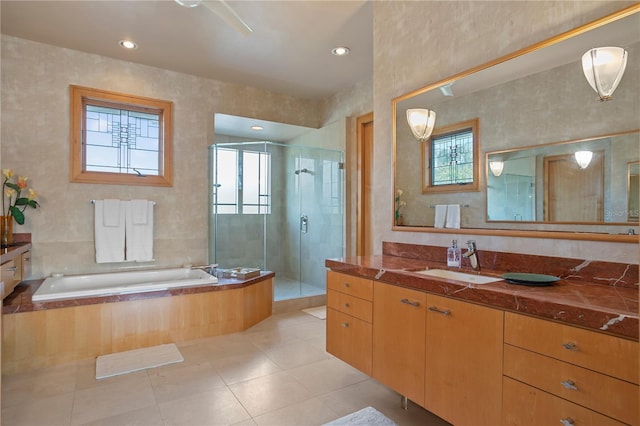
x: 463, y: 376
x: 398, y: 339
x: 349, y: 339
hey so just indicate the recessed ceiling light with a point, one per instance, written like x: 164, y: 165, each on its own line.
x: 128, y: 44
x: 257, y: 128
x: 340, y: 51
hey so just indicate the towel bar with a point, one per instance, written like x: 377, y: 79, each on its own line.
x: 94, y: 201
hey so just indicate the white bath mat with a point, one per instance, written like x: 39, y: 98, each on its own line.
x: 137, y: 359
x: 318, y: 311
x: 366, y: 417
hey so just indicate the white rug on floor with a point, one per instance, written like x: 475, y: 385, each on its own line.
x: 137, y: 359
x: 318, y: 311
x: 366, y: 417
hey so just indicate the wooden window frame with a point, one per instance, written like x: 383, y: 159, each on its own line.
x: 78, y: 173
x: 427, y: 159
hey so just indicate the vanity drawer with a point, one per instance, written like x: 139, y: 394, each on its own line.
x: 525, y: 405
x: 604, y: 394
x: 350, y: 305
x: 349, y: 284
x: 601, y: 352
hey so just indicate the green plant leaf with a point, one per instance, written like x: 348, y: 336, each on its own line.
x: 17, y: 214
x: 22, y: 201
x: 13, y: 186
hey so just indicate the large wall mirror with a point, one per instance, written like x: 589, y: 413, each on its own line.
x: 534, y: 109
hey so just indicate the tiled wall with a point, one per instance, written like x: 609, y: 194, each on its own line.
x: 35, y: 141
x: 417, y: 43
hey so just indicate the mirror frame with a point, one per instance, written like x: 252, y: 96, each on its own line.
x: 531, y: 233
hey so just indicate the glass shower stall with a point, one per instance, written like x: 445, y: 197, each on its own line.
x: 277, y: 207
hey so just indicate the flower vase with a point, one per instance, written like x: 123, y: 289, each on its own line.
x: 6, y: 230
x: 400, y: 220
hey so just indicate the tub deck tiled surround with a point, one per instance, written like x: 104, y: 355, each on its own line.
x: 601, y: 296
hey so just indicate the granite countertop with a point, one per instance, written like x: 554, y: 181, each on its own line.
x: 20, y: 300
x: 13, y: 251
x: 571, y: 300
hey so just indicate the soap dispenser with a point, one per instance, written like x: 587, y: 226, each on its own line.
x: 454, y: 255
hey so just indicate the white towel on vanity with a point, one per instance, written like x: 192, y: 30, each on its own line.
x: 139, y: 225
x: 453, y: 216
x: 440, y: 217
x: 109, y: 227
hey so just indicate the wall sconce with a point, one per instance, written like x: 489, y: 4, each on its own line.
x: 603, y: 67
x: 496, y: 167
x: 583, y: 158
x: 421, y: 122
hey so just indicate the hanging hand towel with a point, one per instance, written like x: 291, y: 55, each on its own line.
x: 453, y: 216
x: 109, y: 224
x: 441, y: 214
x: 139, y: 225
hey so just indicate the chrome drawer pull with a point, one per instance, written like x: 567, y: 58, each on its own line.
x: 567, y: 422
x: 569, y: 384
x: 344, y: 324
x: 12, y: 269
x: 409, y: 302
x: 346, y: 285
x: 570, y: 346
x: 346, y: 305
x: 435, y: 309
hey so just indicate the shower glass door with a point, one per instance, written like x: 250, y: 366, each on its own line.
x: 280, y: 208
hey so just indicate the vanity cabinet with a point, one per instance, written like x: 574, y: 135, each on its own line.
x: 399, y: 316
x: 463, y: 370
x: 560, y: 373
x: 14, y: 271
x: 8, y: 272
x: 349, y: 319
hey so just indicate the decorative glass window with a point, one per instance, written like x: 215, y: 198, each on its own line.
x: 450, y: 159
x: 120, y: 139
x: 242, y: 181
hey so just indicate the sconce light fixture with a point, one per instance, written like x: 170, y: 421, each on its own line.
x: 603, y: 67
x: 421, y: 121
x: 583, y: 158
x: 496, y: 167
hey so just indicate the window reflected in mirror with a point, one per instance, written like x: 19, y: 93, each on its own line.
x: 450, y: 159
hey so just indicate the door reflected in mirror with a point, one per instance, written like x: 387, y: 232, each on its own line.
x: 552, y: 183
x: 633, y: 189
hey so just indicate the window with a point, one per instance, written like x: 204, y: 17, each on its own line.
x: 450, y: 159
x: 120, y: 139
x: 242, y: 181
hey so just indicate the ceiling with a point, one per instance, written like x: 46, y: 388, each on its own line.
x: 289, y: 50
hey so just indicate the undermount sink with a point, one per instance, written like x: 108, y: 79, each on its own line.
x: 459, y: 276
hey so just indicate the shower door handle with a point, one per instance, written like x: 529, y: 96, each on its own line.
x: 304, y: 224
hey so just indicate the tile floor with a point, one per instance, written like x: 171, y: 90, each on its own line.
x: 287, y: 288
x: 276, y: 373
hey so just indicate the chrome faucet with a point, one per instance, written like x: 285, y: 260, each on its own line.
x: 472, y: 255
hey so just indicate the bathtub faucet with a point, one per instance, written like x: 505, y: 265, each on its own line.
x: 209, y: 269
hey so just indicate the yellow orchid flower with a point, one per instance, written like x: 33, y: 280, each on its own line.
x: 8, y: 173
x: 8, y: 192
x: 32, y: 194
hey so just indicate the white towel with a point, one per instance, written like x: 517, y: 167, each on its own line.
x: 109, y: 239
x: 139, y: 212
x: 111, y: 212
x: 441, y: 214
x: 139, y: 235
x: 453, y: 216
